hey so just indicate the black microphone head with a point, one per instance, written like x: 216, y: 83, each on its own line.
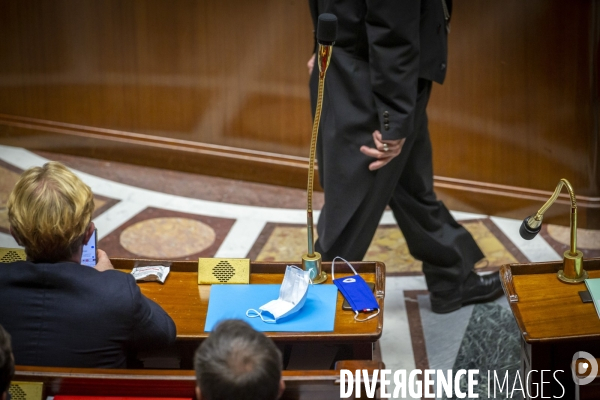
x: 326, y: 29
x: 527, y: 232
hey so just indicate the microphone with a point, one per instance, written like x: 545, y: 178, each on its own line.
x: 327, y: 29
x: 326, y: 35
x: 530, y: 227
x: 572, y: 271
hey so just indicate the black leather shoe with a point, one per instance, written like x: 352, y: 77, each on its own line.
x: 475, y: 289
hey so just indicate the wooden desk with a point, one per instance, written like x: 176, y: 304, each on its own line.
x: 187, y: 303
x: 313, y: 385
x: 553, y: 321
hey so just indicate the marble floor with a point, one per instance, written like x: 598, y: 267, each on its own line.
x: 153, y: 213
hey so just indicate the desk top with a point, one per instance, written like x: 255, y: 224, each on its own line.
x: 547, y: 309
x: 187, y: 302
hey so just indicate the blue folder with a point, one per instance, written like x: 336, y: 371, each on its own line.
x: 232, y: 301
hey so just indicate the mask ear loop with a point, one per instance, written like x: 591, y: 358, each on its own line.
x: 333, y: 266
x: 257, y: 313
x: 368, y: 318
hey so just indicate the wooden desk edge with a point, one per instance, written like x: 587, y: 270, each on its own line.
x: 375, y: 267
x: 44, y: 373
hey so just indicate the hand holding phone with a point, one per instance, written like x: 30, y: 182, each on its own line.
x: 103, y: 263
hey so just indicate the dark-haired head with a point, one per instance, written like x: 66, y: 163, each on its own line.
x: 237, y: 362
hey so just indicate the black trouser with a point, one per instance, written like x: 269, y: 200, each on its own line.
x: 447, y: 250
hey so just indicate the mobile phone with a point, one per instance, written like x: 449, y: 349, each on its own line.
x: 89, y: 255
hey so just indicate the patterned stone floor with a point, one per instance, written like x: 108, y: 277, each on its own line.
x: 151, y: 213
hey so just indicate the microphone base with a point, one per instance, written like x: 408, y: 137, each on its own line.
x: 313, y: 263
x: 321, y: 278
x: 572, y: 271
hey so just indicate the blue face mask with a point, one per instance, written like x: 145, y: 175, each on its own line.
x: 355, y: 290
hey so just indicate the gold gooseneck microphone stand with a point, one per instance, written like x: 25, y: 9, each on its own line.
x: 572, y: 271
x: 311, y: 261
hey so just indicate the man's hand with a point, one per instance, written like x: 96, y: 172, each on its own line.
x: 311, y: 64
x: 394, y: 147
x: 104, y: 263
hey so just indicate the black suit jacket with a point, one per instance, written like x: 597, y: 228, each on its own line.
x: 399, y: 41
x: 69, y: 315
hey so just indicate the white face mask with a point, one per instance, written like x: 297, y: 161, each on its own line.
x: 292, y: 296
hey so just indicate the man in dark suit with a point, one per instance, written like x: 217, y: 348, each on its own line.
x: 374, y: 148
x: 59, y: 312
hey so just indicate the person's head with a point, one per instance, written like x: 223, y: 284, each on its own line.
x: 237, y: 362
x: 7, y: 363
x: 50, y: 212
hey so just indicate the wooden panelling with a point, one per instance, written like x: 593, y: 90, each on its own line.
x: 135, y: 148
x: 517, y: 107
x: 221, y: 72
x: 215, y: 86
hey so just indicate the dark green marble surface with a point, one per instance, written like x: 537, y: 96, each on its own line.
x: 491, y: 342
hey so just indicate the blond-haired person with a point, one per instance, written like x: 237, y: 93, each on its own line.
x: 59, y: 312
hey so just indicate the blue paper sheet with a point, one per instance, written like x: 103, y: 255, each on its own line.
x: 232, y: 301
